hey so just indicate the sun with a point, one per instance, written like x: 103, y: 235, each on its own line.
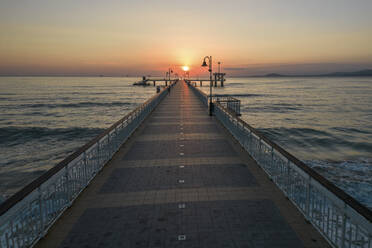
x: 185, y: 68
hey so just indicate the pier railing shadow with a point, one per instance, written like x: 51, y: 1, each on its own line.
x: 26, y: 216
x: 342, y: 220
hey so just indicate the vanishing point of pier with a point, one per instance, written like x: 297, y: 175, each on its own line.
x: 170, y: 175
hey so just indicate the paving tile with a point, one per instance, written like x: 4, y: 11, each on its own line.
x: 162, y: 178
x: 171, y: 129
x: 181, y: 161
x: 178, y: 119
x: 143, y: 150
x: 204, y: 224
x: 177, y: 136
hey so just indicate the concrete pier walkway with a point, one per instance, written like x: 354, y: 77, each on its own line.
x: 182, y: 181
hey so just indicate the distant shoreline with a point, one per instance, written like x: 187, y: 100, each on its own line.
x: 362, y: 73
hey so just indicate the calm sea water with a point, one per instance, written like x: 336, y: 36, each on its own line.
x: 326, y: 122
x: 43, y: 119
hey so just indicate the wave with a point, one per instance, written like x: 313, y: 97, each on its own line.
x: 12, y: 136
x: 15, y: 180
x: 240, y: 95
x: 354, y: 177
x: 8, y: 94
x: 350, y: 130
x: 274, y: 108
x: 68, y: 105
x: 312, y: 138
x: 294, y: 131
x: 42, y: 113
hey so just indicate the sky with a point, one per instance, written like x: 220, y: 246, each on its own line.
x: 143, y: 37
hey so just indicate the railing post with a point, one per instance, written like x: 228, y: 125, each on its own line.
x: 250, y: 142
x: 7, y: 240
x: 85, y: 168
x: 307, y: 203
x: 98, y: 155
x: 41, y: 212
x: 272, y: 158
x: 288, y: 178
x: 68, y: 193
x: 343, y: 231
x: 26, y: 226
x: 117, y: 142
x: 12, y: 236
x: 259, y: 151
x: 108, y: 145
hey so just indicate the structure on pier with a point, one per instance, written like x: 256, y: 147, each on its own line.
x: 218, y: 77
x: 145, y: 81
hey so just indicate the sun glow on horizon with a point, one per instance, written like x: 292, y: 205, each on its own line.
x: 185, y: 68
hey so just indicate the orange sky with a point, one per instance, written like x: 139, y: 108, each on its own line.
x: 138, y: 37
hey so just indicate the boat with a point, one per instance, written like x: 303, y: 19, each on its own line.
x: 143, y: 82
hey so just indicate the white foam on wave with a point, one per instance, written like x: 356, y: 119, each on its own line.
x: 354, y: 177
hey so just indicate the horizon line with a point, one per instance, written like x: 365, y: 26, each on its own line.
x: 269, y: 74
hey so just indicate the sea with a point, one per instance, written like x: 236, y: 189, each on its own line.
x: 324, y: 121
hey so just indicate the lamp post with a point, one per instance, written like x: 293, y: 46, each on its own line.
x: 210, y: 79
x: 168, y: 76
x: 169, y: 73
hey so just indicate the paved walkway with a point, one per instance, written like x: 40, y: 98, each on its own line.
x: 182, y: 181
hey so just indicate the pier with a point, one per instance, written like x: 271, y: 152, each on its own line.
x: 166, y: 81
x: 218, y: 77
x: 157, y: 80
x: 170, y: 175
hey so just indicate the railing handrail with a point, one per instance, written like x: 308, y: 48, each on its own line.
x: 229, y: 98
x: 21, y: 194
x: 342, y: 195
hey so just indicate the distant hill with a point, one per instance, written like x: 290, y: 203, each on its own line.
x: 362, y: 73
x: 351, y: 74
x: 274, y: 75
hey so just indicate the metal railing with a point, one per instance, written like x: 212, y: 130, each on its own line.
x: 231, y: 103
x: 342, y: 220
x: 26, y: 216
x: 200, y: 94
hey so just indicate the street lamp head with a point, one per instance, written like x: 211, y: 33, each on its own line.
x: 204, y: 63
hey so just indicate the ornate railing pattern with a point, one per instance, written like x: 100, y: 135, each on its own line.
x: 342, y: 220
x: 27, y: 215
